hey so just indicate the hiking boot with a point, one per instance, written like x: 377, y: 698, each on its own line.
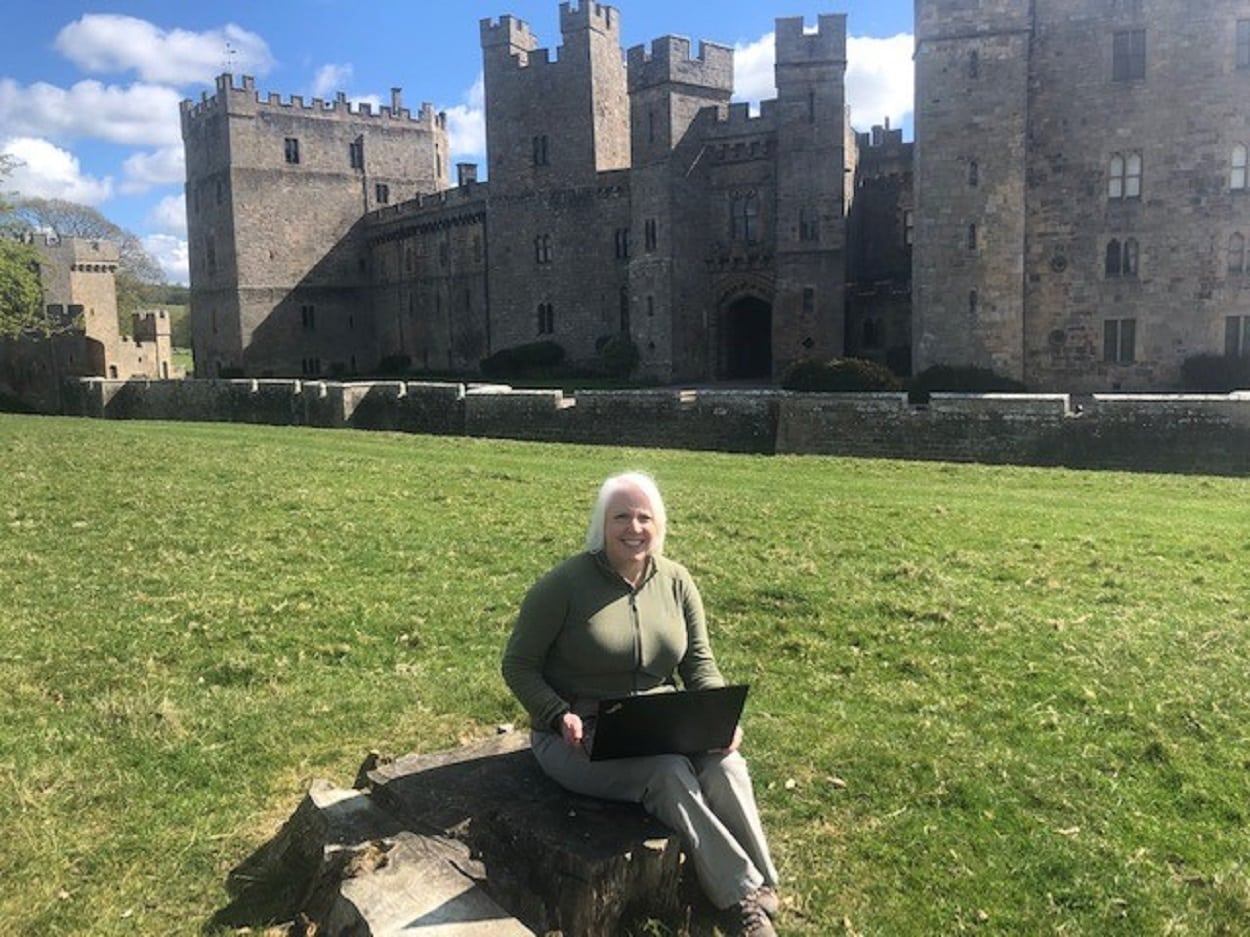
x: 755, y: 920
x: 767, y: 898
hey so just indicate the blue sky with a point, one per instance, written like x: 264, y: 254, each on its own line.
x: 89, y: 93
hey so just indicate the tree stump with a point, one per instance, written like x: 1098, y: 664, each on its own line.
x: 468, y: 842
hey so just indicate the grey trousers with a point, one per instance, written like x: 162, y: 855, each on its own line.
x: 707, y: 799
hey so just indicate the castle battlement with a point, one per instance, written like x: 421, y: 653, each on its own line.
x: 668, y: 61
x: 509, y: 32
x: 590, y: 15
x: 796, y: 46
x: 243, y: 98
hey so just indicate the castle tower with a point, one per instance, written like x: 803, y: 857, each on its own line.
x: 274, y: 191
x: 550, y: 121
x: 667, y: 88
x: 972, y: 96
x: 808, y: 309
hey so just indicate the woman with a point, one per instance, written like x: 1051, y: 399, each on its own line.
x: 617, y: 619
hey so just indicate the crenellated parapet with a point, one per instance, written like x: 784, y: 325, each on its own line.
x: 668, y: 61
x: 509, y: 33
x: 243, y: 99
x: 589, y: 15
x: 796, y: 46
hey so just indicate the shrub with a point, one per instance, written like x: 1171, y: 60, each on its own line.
x: 840, y: 374
x: 530, y: 360
x: 618, y: 355
x: 961, y: 379
x: 1215, y: 373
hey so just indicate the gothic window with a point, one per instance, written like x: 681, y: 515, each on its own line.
x: 972, y: 237
x: 909, y: 227
x: 1118, y: 341
x: 1243, y: 43
x: 1237, y: 254
x: 291, y: 150
x: 1128, y: 55
x: 974, y: 173
x: 308, y: 318
x: 1237, y: 176
x: 356, y: 153
x: 383, y: 193
x: 622, y: 243
x: 540, y: 150
x: 624, y: 310
x: 1237, y: 336
x: 744, y: 211
x: 546, y: 319
x: 1114, y: 262
x: 651, y: 237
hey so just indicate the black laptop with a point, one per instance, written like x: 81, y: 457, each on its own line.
x: 684, y: 722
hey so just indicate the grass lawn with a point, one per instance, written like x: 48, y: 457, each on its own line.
x: 986, y: 700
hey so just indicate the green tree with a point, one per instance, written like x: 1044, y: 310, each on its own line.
x: 21, y: 296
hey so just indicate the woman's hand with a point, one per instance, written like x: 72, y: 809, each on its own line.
x: 571, y: 729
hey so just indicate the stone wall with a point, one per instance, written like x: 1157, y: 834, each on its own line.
x: 1204, y: 434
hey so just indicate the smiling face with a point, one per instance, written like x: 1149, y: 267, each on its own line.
x: 628, y: 532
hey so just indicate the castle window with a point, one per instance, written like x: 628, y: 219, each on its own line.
x: 356, y: 153
x: 624, y: 310
x: 291, y: 150
x: 744, y: 213
x: 310, y: 367
x: 651, y: 236
x: 1128, y: 55
x: 540, y: 150
x: 210, y: 254
x: 972, y: 237
x: 1121, y: 259
x: 973, y: 302
x: 974, y: 64
x: 1237, y: 254
x: 622, y: 243
x: 308, y: 318
x: 1124, y: 178
x: 1243, y: 43
x: 1237, y: 336
x: 542, y: 249
x: 383, y: 193
x: 1237, y: 176
x: 974, y: 173
x: 650, y: 126
x: 546, y: 319
x: 809, y: 224
x: 1118, y: 340
x: 909, y: 227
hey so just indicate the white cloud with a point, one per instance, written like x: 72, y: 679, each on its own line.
x: 466, y: 124
x: 879, y: 79
x: 171, y: 253
x: 879, y: 75
x: 329, y: 79
x: 159, y: 167
x: 44, y: 170
x: 138, y: 115
x: 107, y: 43
x: 169, y: 216
x: 753, y: 69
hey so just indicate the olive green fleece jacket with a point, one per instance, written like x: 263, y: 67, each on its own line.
x: 584, y: 634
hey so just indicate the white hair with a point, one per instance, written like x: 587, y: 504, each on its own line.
x: 598, y: 515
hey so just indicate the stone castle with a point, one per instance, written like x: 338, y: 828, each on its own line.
x: 1073, y: 213
x: 82, y: 337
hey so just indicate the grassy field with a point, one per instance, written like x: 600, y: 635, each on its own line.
x: 986, y: 700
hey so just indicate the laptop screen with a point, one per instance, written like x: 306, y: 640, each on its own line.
x: 684, y: 722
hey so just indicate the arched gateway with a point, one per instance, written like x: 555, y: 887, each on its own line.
x: 746, y: 349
